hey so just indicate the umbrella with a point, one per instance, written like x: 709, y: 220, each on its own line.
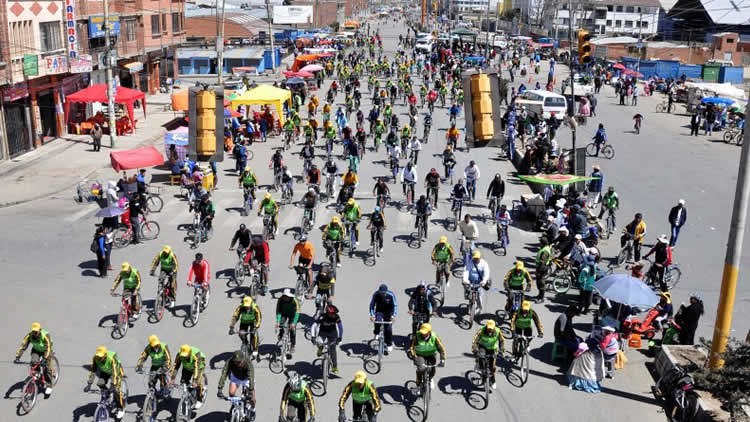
x: 110, y: 212
x: 231, y: 113
x: 178, y: 136
x: 627, y: 290
x: 312, y: 68
x: 631, y: 72
x: 619, y: 66
x: 717, y: 100
x: 555, y: 179
x: 294, y: 81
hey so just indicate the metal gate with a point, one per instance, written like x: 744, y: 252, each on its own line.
x: 18, y: 139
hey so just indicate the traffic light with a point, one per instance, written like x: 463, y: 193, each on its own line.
x: 584, y: 47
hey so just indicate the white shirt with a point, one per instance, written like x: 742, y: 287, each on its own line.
x: 416, y: 145
x: 409, y: 176
x: 470, y: 230
x: 482, y: 267
x: 472, y: 173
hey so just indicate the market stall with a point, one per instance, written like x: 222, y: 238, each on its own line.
x: 98, y: 94
x: 136, y: 158
x: 263, y: 95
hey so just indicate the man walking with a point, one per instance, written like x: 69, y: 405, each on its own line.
x: 677, y: 218
x: 695, y: 124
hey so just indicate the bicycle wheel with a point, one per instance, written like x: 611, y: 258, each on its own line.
x: 728, y: 135
x: 472, y: 312
x: 608, y: 151
x: 739, y: 138
x: 239, y: 274
x: 622, y: 256
x: 184, y: 409
x: 325, y: 368
x: 121, y: 237
x: 660, y: 108
x: 672, y: 277
x: 28, y: 398
x: 56, y: 369
x: 561, y: 281
x: 101, y: 414
x: 426, y: 396
x: 154, y: 203
x: 150, y: 230
x: 195, y: 309
x: 591, y: 149
x: 523, y: 366
x: 486, y: 378
x: 122, y: 322
x: 236, y: 417
x: 610, y: 224
x: 159, y: 306
x: 149, y: 408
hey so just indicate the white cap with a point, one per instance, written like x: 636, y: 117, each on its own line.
x: 560, y: 203
x: 579, y: 237
x: 663, y: 239
x: 681, y: 202
x: 608, y: 328
x: 550, y: 218
x: 288, y: 293
x: 564, y: 229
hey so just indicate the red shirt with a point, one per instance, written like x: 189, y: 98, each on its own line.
x: 260, y: 251
x: 201, y: 270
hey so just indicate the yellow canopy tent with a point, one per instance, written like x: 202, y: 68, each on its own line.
x: 265, y: 94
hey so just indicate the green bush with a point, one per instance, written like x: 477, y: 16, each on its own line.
x: 730, y: 384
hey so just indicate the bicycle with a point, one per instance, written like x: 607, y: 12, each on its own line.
x: 199, y: 231
x: 474, y: 306
x: 432, y: 195
x: 150, y: 407
x: 247, y: 205
x: 626, y: 253
x: 188, y: 398
x: 200, y: 300
x: 268, y: 227
x: 561, y: 275
x: 36, y: 381
x: 409, y: 193
x: 308, y: 219
x: 443, y: 277
x: 380, y: 346
x: 610, y: 223
x: 163, y: 296
x: 107, y: 404
x: 245, y: 336
x: 241, y: 409
x: 458, y: 205
x: 154, y: 203
x: 521, y: 357
x: 149, y: 230
x: 331, y: 252
x: 421, y: 227
x: 288, y: 139
x: 127, y: 312
x: 382, y: 201
x: 375, y: 243
x: 330, y: 191
x: 482, y: 375
x: 284, y: 345
x: 494, y: 205
x: 302, y: 287
x: 664, y: 107
x: 607, y: 150
x: 325, y: 360
x: 426, y: 390
x: 502, y: 234
x: 672, y: 275
x: 351, y: 243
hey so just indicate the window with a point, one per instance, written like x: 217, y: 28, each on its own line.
x: 644, y: 24
x: 730, y: 40
x: 176, y: 22
x: 619, y: 8
x: 628, y: 24
x: 554, y: 102
x: 601, y: 14
x: 49, y: 34
x: 130, y: 30
x: 155, y: 30
x: 618, y: 23
x: 164, y: 23
x: 629, y: 9
x: 565, y: 21
x: 609, y: 23
x: 609, y: 8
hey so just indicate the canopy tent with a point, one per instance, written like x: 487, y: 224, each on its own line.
x: 98, y: 94
x: 180, y: 100
x: 555, y: 179
x: 136, y: 158
x: 302, y: 61
x: 312, y: 68
x: 265, y: 94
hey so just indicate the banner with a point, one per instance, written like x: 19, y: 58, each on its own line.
x: 16, y: 92
x: 69, y: 19
x: 30, y: 65
x: 97, y: 22
x: 82, y: 64
x: 292, y: 14
x: 57, y: 64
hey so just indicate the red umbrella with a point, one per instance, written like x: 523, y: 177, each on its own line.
x: 300, y: 74
x: 631, y: 72
x: 619, y: 66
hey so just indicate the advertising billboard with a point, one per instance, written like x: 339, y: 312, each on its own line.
x: 292, y: 14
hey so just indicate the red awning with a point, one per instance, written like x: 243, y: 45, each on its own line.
x: 136, y: 158
x: 98, y: 94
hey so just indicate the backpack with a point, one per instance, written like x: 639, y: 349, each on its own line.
x: 94, y: 245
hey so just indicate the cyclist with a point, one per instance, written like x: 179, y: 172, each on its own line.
x: 106, y: 366
x: 496, y: 188
x: 193, y: 363
x: 41, y: 350
x: 332, y: 236
x: 325, y: 284
x: 471, y: 173
x: 131, y: 285
x: 307, y: 152
x: 287, y: 180
x: 329, y: 330
x: 242, y: 237
x: 452, y: 135
x: 487, y: 344
x: 350, y: 179
x: 247, y: 181
x: 600, y: 138
x: 520, y: 325
x: 543, y: 259
x: 377, y: 226
x: 167, y: 262
x: 453, y: 111
x: 476, y: 273
x: 610, y: 202
x: 287, y: 312
x: 306, y: 253
x: 449, y: 161
x: 270, y: 207
x: 420, y: 306
x: 470, y: 232
x: 364, y: 398
x: 296, y: 399
x: 202, y: 272
x: 331, y: 170
x: 207, y: 211
x: 503, y: 220
x: 249, y: 316
x: 383, y: 307
x: 458, y: 193
x: 405, y: 136
x: 277, y: 162
x: 409, y: 177
x: 381, y: 189
x: 425, y: 346
x: 442, y: 257
x: 313, y: 178
x: 662, y: 260
x: 432, y: 183
x: 160, y: 359
x: 259, y: 251
x: 289, y: 130
x: 352, y: 214
x: 423, y: 210
x: 241, y: 373
x: 517, y: 279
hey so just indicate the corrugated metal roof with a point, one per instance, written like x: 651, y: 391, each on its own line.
x: 728, y: 12
x: 189, y: 53
x: 614, y: 40
x: 243, y: 53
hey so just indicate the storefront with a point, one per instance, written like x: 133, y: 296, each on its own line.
x: 17, y: 115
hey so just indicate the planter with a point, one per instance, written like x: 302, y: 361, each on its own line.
x: 709, y: 408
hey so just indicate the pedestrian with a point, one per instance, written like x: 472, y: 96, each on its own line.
x: 99, y: 247
x: 595, y: 185
x: 135, y: 209
x: 565, y: 333
x: 108, y: 243
x: 677, y: 219
x: 215, y: 171
x: 695, y: 124
x: 264, y: 129
x: 622, y: 96
x: 635, y: 95
x: 688, y: 317
x: 710, y: 118
x: 96, y: 136
x: 592, y: 104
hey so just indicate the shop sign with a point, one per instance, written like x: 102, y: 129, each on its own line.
x: 134, y: 67
x: 96, y: 26
x: 71, y: 37
x: 57, y: 64
x: 16, y: 92
x: 81, y: 64
x: 30, y: 65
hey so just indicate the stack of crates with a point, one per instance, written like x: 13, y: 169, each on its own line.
x: 481, y: 107
x: 206, y: 123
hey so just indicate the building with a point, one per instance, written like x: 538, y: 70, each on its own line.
x: 50, y: 49
x: 480, y: 6
x: 698, y: 20
x: 637, y: 18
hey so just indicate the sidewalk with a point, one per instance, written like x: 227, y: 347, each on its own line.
x: 56, y: 168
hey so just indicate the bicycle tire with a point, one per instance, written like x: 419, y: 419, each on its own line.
x: 159, y: 306
x: 184, y: 410
x: 121, y: 237
x: 608, y: 151
x: 29, y: 395
x: 472, y: 311
x: 426, y: 397
x: 610, y: 224
x: 122, y: 322
x: 154, y: 203
x: 672, y: 277
x: 523, y: 365
x: 254, y: 289
x: 659, y: 108
x: 150, y: 230
x: 622, y: 256
x: 486, y: 378
x: 591, y: 149
x: 149, y: 408
x: 101, y: 414
x: 727, y: 137
x: 561, y: 282
x: 325, y: 368
x: 250, y: 154
x: 56, y: 370
x: 195, y: 309
x: 239, y: 274
x: 739, y: 138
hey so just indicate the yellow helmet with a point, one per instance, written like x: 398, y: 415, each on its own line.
x: 476, y: 254
x: 443, y: 239
x: 350, y: 201
x: 360, y: 377
x: 267, y: 195
x: 247, y: 169
x: 425, y: 329
x: 101, y: 352
x: 525, y: 305
x: 519, y: 265
x: 406, y: 126
x: 35, y: 326
x: 247, y: 301
x: 153, y: 341
x: 335, y: 219
x: 185, y: 350
x: 167, y: 250
x: 490, y: 324
x: 125, y: 266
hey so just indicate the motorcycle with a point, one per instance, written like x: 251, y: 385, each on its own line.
x: 646, y: 328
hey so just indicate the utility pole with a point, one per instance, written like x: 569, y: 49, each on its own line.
x: 572, y: 91
x: 487, y: 39
x: 220, y: 47
x: 732, y: 260
x: 270, y: 33
x: 555, y: 21
x: 640, y: 42
x: 110, y: 87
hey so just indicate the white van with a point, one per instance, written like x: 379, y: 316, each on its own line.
x: 543, y: 103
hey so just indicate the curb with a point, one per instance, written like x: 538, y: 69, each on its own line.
x: 88, y: 175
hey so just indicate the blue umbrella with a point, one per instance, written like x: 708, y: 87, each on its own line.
x: 717, y: 100
x: 295, y: 80
x: 627, y: 290
x: 178, y: 136
x: 110, y: 212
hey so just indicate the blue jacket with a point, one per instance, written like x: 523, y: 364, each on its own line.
x: 595, y: 185
x: 383, y: 302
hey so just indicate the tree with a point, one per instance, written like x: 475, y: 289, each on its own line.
x: 730, y: 384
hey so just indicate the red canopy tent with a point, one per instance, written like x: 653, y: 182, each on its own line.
x: 136, y: 158
x: 98, y: 94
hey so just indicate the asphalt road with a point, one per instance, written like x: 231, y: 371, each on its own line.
x: 50, y: 277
